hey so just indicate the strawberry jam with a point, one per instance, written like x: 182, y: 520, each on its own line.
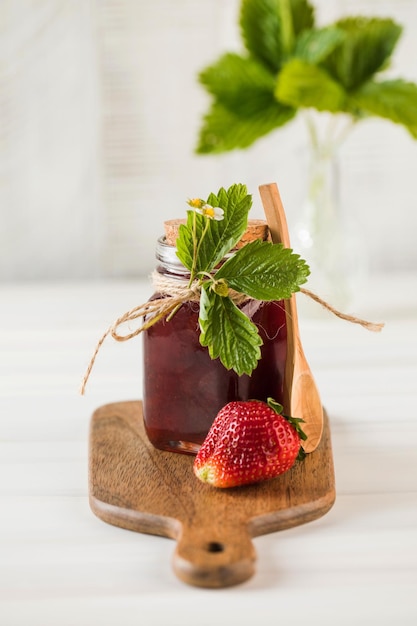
x: 184, y: 388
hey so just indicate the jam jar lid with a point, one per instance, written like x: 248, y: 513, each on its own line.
x: 166, y: 251
x: 256, y: 229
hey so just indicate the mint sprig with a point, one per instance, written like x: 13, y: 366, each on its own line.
x: 260, y: 270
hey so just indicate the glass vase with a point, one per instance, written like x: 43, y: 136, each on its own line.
x: 326, y: 235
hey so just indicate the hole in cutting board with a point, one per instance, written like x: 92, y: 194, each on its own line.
x: 215, y: 546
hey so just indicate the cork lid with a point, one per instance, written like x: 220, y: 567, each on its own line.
x: 257, y: 229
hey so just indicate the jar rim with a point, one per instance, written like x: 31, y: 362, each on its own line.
x: 166, y: 254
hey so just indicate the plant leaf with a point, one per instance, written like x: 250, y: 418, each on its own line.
x: 264, y: 271
x: 261, y: 31
x: 275, y: 406
x: 241, y: 84
x: 301, y: 84
x: 228, y: 333
x: 365, y: 50
x: 221, y: 236
x: 302, y: 16
x: 287, y: 27
x: 395, y: 100
x: 294, y: 421
x: 269, y: 28
x: 224, y: 129
x: 315, y: 45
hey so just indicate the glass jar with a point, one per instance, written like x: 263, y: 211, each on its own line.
x: 183, y: 388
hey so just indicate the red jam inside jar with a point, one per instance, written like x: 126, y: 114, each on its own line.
x: 184, y: 388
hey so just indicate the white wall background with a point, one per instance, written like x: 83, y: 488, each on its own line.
x: 99, y: 112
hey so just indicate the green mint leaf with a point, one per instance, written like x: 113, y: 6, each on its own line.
x: 302, y: 84
x: 215, y: 238
x: 228, y: 333
x: 264, y: 271
x: 314, y: 46
x: 226, y: 129
x: 365, y: 50
x: 395, y: 100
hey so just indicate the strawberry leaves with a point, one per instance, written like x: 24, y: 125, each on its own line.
x: 228, y: 333
x: 264, y: 271
x: 260, y: 270
x: 290, y: 64
x: 394, y: 100
x: 294, y: 421
x: 215, y: 238
x: 244, y: 107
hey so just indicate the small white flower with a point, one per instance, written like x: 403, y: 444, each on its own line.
x: 213, y: 213
x: 196, y: 203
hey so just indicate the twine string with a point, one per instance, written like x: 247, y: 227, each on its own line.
x: 174, y: 294
x: 375, y: 327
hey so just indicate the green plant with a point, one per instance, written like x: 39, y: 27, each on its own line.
x: 260, y: 270
x: 291, y: 64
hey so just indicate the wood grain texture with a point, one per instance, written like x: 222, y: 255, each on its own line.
x: 137, y: 487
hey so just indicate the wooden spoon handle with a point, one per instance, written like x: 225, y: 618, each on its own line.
x: 204, y: 559
x: 301, y: 396
x: 277, y: 221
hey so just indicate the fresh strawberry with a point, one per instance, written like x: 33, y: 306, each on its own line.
x: 248, y: 442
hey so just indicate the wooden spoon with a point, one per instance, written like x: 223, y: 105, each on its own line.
x: 301, y: 396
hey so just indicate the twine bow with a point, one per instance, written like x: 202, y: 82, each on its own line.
x: 173, y: 295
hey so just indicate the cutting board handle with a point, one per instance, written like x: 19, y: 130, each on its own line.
x: 213, y: 556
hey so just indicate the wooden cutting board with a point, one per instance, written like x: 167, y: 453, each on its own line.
x: 135, y: 486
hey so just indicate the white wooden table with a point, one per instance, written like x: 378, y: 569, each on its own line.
x: 62, y: 566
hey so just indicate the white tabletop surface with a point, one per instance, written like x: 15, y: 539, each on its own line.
x: 62, y: 566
